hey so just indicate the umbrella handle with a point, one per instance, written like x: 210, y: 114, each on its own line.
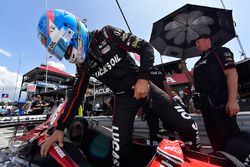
x: 183, y: 60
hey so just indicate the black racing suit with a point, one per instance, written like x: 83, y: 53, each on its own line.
x: 159, y: 79
x: 210, y: 82
x: 110, y: 62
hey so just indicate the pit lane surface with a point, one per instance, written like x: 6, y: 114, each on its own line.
x: 7, y: 133
x: 141, y: 129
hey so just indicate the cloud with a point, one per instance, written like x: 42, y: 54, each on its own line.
x: 5, y: 53
x: 58, y: 65
x: 9, y: 81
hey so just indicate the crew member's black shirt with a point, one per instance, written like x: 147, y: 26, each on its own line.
x: 158, y: 78
x: 209, y: 70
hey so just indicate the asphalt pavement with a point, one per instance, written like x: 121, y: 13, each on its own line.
x: 7, y: 133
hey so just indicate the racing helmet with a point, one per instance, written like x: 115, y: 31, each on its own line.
x: 64, y: 35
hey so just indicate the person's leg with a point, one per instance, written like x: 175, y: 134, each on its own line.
x: 219, y: 125
x: 153, y: 124
x: 123, y: 119
x: 211, y: 128
x: 174, y: 115
x: 227, y: 126
x: 228, y: 135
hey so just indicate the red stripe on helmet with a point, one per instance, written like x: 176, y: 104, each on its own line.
x: 50, y: 16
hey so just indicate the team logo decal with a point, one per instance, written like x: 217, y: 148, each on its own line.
x: 118, y: 32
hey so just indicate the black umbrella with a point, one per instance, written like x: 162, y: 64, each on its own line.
x: 174, y: 34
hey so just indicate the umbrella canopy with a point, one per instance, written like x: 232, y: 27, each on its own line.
x: 174, y: 34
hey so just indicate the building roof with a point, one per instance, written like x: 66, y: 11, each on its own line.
x: 169, y: 67
x: 177, y: 79
x: 55, y: 70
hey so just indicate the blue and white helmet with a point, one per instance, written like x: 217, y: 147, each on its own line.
x: 64, y: 35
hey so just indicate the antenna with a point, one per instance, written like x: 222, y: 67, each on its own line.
x: 123, y: 15
x: 127, y: 22
x: 243, y: 54
x: 47, y: 54
x: 17, y: 79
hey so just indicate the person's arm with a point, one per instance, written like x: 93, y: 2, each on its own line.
x: 232, y: 105
x: 35, y: 106
x: 44, y: 104
x: 183, y: 68
x: 76, y: 97
x: 70, y: 110
x: 226, y: 60
x: 131, y: 43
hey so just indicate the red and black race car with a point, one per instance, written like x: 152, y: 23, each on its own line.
x: 88, y: 144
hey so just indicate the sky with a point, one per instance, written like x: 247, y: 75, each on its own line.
x: 21, y: 50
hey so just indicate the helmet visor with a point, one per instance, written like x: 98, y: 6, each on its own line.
x: 58, y: 49
x: 42, y: 39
